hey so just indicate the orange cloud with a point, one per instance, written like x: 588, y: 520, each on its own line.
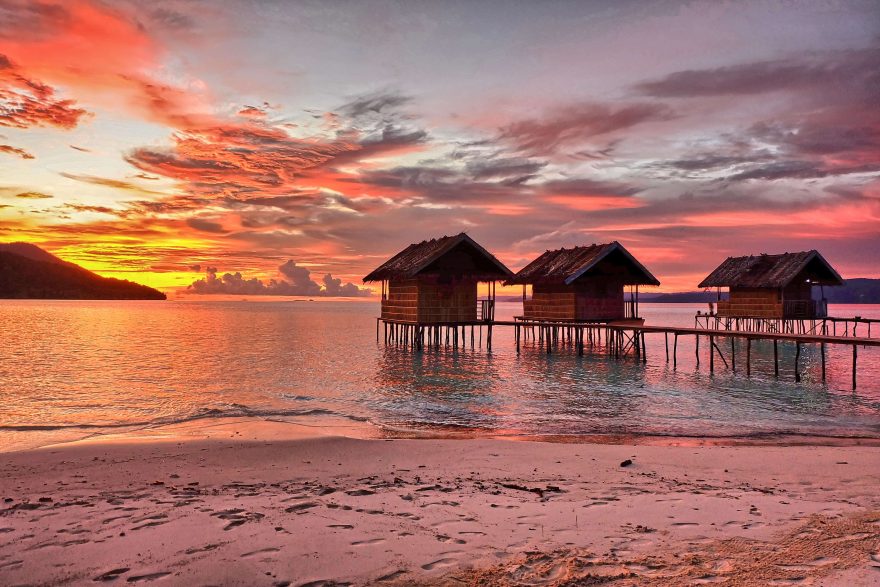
x: 16, y: 151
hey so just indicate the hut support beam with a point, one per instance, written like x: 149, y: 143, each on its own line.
x: 776, y: 358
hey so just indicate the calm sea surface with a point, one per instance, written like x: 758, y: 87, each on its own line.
x: 70, y: 369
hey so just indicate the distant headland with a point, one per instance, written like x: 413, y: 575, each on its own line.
x: 29, y: 272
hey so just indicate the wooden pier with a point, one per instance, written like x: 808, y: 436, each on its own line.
x: 617, y: 339
x: 823, y: 326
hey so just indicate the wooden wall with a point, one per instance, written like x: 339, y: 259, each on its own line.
x: 589, y: 299
x: 402, y: 301
x: 755, y: 302
x: 429, y: 300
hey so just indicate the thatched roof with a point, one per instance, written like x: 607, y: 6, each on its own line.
x: 564, y: 266
x: 423, y: 257
x: 773, y: 271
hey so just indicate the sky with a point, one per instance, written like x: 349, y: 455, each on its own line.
x: 292, y: 146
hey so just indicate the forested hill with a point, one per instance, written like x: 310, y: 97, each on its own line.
x: 27, y: 271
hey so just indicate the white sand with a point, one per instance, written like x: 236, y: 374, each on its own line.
x: 324, y: 509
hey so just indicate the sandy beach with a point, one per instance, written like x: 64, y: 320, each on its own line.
x: 301, y: 509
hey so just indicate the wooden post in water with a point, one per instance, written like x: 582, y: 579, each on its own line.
x: 733, y: 353
x: 855, y: 354
x: 822, y: 351
x: 666, y: 340
x: 675, y: 352
x: 776, y: 358
x: 748, y: 357
x: 711, y: 354
x: 797, y: 356
x: 697, y: 345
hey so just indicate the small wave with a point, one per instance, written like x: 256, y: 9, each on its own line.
x: 231, y: 411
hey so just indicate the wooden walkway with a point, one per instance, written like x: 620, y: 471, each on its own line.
x: 618, y: 339
x: 828, y: 325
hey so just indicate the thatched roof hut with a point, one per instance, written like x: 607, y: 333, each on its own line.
x: 582, y: 283
x: 773, y: 286
x: 435, y: 281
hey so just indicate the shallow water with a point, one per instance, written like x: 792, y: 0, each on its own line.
x: 69, y: 369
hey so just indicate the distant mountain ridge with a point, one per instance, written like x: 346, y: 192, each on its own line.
x: 29, y: 272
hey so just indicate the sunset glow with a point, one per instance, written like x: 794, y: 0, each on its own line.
x: 153, y: 141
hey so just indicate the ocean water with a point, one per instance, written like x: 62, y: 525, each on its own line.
x: 71, y: 369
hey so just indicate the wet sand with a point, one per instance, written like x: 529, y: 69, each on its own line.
x: 301, y: 509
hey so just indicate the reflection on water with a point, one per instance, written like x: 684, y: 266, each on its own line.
x: 73, y: 368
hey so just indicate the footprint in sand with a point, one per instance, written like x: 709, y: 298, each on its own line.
x: 148, y: 577
x: 391, y: 576
x: 685, y: 524
x: 439, y: 563
x: 366, y: 542
x: 341, y: 526
x: 300, y: 507
x: 360, y: 492
x: 112, y: 575
x: 709, y: 579
x: 150, y: 524
x: 204, y: 548
x: 260, y: 551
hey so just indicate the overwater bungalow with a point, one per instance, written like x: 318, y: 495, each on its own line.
x: 773, y: 286
x: 435, y: 282
x: 583, y: 284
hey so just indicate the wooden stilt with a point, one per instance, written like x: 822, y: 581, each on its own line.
x: 711, y: 355
x: 822, y: 351
x: 797, y: 357
x: 733, y: 353
x: 675, y: 352
x: 776, y: 358
x: 748, y: 357
x: 855, y: 355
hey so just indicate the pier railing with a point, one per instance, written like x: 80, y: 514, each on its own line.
x: 486, y: 310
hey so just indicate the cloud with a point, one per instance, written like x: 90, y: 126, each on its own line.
x: 26, y: 102
x: 294, y: 281
x: 16, y: 151
x: 573, y: 125
x: 237, y: 159
x: 32, y: 196
x: 106, y: 182
x: 829, y: 126
x: 206, y: 225
x: 255, y: 158
x: 851, y: 68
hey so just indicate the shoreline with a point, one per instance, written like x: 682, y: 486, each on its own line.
x: 240, y: 508
x: 277, y: 428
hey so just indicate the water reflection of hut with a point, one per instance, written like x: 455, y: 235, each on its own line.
x: 773, y: 286
x: 435, y: 282
x: 583, y: 284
